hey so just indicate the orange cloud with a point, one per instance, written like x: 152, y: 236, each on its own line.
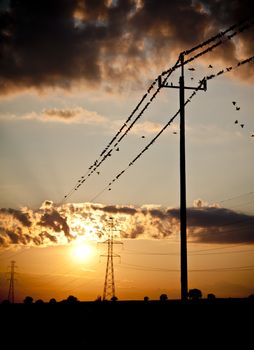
x: 52, y: 224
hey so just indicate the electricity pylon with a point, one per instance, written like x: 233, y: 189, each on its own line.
x: 109, y: 290
x: 183, y: 221
x: 11, y: 279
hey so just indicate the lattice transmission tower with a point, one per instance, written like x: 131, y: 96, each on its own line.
x: 109, y: 290
x: 11, y: 284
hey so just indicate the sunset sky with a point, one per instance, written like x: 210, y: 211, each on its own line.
x: 72, y: 72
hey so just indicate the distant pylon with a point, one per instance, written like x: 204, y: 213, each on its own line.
x: 109, y: 290
x: 11, y: 285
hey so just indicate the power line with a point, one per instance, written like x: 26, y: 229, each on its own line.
x: 158, y: 269
x: 108, y: 149
x: 209, y: 77
x: 107, y: 152
x: 191, y: 253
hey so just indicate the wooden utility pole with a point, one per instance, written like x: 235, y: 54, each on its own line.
x: 183, y: 216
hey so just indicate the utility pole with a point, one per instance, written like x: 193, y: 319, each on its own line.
x: 183, y: 216
x: 109, y: 283
x: 11, y: 279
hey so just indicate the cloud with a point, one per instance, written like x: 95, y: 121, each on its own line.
x: 77, y: 115
x: 62, y: 43
x: 51, y: 225
x: 217, y: 225
x: 72, y: 115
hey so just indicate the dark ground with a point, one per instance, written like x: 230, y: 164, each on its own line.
x: 204, y: 324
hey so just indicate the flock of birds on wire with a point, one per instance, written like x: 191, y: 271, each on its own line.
x: 113, y: 144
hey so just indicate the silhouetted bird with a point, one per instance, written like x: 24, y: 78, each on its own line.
x: 174, y: 132
x: 234, y: 103
x: 66, y: 196
x: 171, y: 84
x: 109, y: 189
x: 117, y: 149
x: 237, y: 108
x: 192, y: 78
x: 143, y: 137
x: 210, y: 66
x: 192, y: 69
x: 242, y: 125
x: 252, y: 135
x: 236, y: 122
x: 98, y: 172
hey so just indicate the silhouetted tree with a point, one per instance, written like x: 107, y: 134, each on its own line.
x: 6, y: 302
x: 146, y: 298
x: 52, y: 301
x: 195, y: 294
x: 72, y: 300
x: 98, y: 299
x: 39, y: 302
x: 211, y: 296
x: 28, y: 300
x: 163, y: 297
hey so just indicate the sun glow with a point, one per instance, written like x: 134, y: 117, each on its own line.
x: 82, y: 252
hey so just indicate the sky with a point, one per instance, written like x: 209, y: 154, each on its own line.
x: 73, y: 74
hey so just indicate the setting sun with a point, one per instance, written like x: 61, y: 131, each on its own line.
x: 81, y: 252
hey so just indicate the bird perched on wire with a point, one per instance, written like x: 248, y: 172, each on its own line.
x: 236, y: 122
x: 242, y: 125
x: 191, y: 69
x: 210, y: 66
x: 234, y: 103
x: 237, y: 108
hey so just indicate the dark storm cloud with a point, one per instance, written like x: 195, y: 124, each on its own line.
x: 56, y: 222
x: 59, y: 42
x: 17, y: 214
x: 119, y: 209
x: 217, y: 225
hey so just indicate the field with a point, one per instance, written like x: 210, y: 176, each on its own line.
x: 202, y: 323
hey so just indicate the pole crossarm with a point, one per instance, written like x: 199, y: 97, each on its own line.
x: 203, y: 86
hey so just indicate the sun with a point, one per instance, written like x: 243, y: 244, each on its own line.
x: 82, y: 252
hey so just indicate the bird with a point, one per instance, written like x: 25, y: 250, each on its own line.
x: 210, y: 66
x: 174, y: 132
x: 109, y: 189
x: 143, y: 137
x: 98, y: 172
x: 236, y: 122
x: 237, y: 108
x: 252, y: 135
x: 242, y: 125
x: 117, y: 149
x: 234, y: 103
x: 192, y: 78
x: 192, y: 69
